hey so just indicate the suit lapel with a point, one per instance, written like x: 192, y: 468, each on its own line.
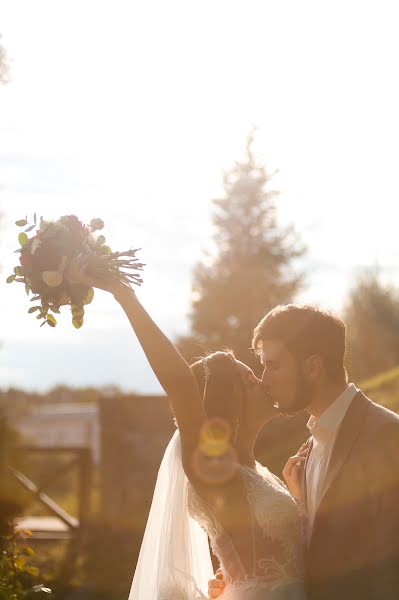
x: 309, y: 444
x: 346, y: 437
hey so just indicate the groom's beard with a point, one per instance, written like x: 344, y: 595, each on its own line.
x: 303, y: 395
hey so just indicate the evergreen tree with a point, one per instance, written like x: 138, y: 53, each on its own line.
x: 251, y: 270
x: 372, y: 319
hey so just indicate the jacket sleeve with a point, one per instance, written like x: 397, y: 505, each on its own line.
x: 386, y: 566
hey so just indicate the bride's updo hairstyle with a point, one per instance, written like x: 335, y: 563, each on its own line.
x: 220, y: 384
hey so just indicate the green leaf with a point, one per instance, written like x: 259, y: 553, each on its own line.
x: 55, y: 309
x: 100, y: 240
x: 22, y: 238
x: 20, y: 562
x: 34, y: 309
x: 106, y: 249
x: 89, y: 297
x: 52, y: 321
x: 18, y: 271
x: 36, y: 297
x: 41, y: 316
x: 77, y: 324
x: 30, y: 228
x: 21, y: 223
x: 44, y: 322
x: 32, y: 571
x: 10, y: 279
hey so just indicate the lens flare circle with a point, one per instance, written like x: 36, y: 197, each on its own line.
x: 215, y: 469
x: 215, y: 437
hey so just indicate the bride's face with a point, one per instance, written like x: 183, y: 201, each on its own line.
x: 258, y: 406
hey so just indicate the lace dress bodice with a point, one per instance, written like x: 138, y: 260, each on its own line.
x: 276, y: 536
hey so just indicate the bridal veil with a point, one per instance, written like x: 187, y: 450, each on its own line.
x: 174, y: 561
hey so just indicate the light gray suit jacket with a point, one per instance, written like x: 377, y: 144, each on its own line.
x: 353, y: 551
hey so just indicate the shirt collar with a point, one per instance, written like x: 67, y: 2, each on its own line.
x: 324, y: 427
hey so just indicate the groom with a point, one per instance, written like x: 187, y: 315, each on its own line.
x: 349, y: 467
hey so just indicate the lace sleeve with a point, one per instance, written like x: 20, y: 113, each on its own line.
x: 300, y: 504
x: 278, y: 529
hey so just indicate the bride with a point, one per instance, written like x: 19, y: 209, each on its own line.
x: 209, y: 484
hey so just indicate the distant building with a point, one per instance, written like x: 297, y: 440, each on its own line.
x: 69, y: 424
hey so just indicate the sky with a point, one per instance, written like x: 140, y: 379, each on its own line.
x: 132, y: 111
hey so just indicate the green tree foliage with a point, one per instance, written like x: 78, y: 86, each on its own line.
x: 251, y: 270
x: 17, y: 574
x: 372, y: 318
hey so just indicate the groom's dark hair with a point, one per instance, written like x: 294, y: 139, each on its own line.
x: 306, y: 330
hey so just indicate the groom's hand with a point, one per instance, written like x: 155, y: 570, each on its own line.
x: 216, y: 586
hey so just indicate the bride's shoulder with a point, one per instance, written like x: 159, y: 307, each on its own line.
x: 264, y: 481
x: 271, y: 476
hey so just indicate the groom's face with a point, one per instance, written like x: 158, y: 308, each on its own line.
x: 283, y: 378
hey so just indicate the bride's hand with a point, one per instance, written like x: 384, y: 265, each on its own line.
x: 216, y: 586
x: 293, y: 471
x: 77, y: 272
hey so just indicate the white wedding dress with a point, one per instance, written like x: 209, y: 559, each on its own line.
x: 175, y: 563
x: 276, y: 532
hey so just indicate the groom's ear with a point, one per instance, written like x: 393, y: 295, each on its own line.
x: 313, y: 367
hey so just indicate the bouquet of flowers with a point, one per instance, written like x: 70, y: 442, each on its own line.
x: 44, y: 261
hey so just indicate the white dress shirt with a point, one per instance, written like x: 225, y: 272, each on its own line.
x: 324, y: 430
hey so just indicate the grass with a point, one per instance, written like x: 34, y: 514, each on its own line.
x: 383, y: 389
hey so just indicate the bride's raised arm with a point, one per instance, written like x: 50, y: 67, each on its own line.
x: 170, y: 368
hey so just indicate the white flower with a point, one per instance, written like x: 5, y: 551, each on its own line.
x: 91, y: 240
x: 52, y: 278
x: 96, y: 224
x: 35, y: 245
